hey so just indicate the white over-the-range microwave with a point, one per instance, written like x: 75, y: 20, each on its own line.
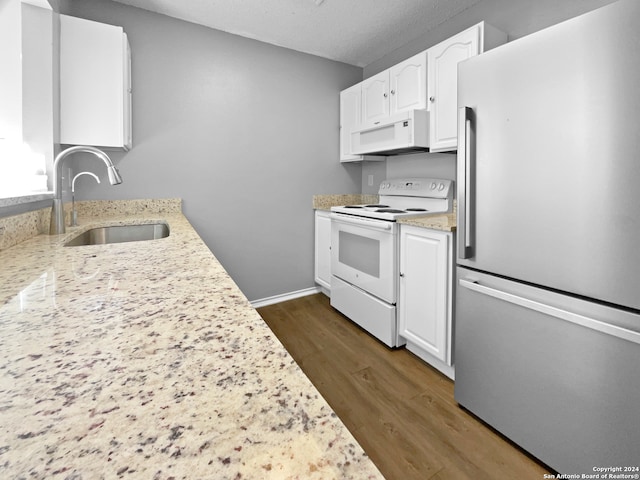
x: 401, y: 133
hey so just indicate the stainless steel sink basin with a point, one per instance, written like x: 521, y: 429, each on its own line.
x: 120, y: 234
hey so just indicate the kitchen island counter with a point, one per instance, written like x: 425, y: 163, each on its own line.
x: 145, y: 360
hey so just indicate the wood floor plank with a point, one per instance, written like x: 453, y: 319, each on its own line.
x: 421, y: 427
x: 288, y: 323
x: 401, y: 410
x: 395, y: 454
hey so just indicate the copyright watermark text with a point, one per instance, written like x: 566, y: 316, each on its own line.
x: 600, y: 473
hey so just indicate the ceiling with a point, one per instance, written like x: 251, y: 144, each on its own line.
x: 356, y: 32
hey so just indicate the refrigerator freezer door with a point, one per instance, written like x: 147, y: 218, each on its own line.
x: 555, y: 374
x: 552, y: 189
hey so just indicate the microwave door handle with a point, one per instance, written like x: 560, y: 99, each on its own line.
x: 465, y: 209
x: 376, y: 126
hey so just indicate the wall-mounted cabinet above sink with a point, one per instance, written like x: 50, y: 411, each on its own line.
x: 95, y: 84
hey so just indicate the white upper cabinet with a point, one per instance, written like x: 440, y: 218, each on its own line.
x: 408, y: 81
x: 95, y: 84
x: 350, y: 119
x: 398, y: 89
x: 443, y: 62
x: 425, y: 81
x: 375, y: 97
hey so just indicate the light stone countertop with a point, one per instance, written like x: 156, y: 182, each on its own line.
x: 325, y: 202
x: 435, y: 221
x: 145, y: 360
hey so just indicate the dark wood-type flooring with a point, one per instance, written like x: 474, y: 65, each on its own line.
x: 400, y: 410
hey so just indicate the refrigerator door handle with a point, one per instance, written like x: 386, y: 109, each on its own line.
x: 619, y: 332
x: 465, y: 249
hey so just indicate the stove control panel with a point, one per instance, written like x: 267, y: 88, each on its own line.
x: 417, y: 187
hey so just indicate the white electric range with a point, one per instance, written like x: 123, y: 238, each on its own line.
x: 364, y: 251
x: 402, y: 198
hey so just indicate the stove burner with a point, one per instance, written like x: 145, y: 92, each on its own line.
x: 417, y: 210
x: 389, y: 210
x: 352, y: 206
x: 377, y: 206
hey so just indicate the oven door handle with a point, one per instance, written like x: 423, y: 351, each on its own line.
x: 360, y: 221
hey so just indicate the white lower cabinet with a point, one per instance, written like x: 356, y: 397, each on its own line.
x: 322, y: 263
x: 426, y: 295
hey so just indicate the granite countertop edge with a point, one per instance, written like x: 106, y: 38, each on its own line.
x: 145, y: 360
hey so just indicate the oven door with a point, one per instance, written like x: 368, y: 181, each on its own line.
x: 363, y: 253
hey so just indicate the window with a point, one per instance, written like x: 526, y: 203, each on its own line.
x: 22, y: 171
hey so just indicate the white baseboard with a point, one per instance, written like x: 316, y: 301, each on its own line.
x: 283, y: 297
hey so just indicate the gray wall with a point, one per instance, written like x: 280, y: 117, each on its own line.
x: 244, y: 132
x: 517, y: 18
x: 232, y: 125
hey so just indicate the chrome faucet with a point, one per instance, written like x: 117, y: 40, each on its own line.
x: 57, y: 212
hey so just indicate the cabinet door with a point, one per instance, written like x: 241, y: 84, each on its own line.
x: 323, y: 249
x: 443, y: 62
x: 424, y: 302
x: 409, y: 84
x: 375, y: 98
x: 94, y: 84
x: 350, y: 111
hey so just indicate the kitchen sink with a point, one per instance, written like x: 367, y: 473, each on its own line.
x: 120, y: 234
